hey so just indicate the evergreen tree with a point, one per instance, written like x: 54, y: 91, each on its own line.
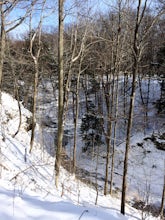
x: 91, y: 128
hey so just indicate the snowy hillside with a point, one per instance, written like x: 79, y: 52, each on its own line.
x: 27, y: 188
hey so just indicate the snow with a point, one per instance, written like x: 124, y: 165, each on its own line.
x: 27, y: 189
x: 30, y: 206
x: 146, y: 163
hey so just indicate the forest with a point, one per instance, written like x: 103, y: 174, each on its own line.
x: 94, y: 81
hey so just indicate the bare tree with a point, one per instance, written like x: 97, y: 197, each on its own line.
x: 6, y: 7
x: 60, y: 88
x: 136, y: 52
x: 35, y: 50
x: 138, y: 47
x: 80, y: 57
x: 76, y: 51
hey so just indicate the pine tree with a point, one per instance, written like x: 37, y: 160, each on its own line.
x: 91, y: 128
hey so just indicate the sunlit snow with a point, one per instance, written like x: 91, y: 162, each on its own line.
x: 27, y: 189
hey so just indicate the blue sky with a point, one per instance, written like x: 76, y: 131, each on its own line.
x: 72, y: 7
x: 50, y: 13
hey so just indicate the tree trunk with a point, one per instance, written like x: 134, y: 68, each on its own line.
x: 109, y: 104
x: 76, y: 118
x: 2, y: 45
x: 114, y: 134
x: 60, y: 91
x: 35, y: 54
x: 34, y: 104
x: 2, y: 54
x: 131, y: 105
x: 128, y: 135
x: 163, y: 198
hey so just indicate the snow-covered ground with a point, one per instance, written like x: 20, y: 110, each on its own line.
x: 146, y: 162
x: 27, y: 188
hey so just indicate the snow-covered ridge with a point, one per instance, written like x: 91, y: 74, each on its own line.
x: 10, y: 114
x: 27, y: 188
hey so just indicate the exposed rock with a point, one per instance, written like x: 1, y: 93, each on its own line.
x: 150, y: 208
x: 49, y: 122
x: 158, y: 140
x: 140, y: 145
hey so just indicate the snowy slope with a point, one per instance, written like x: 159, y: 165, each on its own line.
x: 27, y: 188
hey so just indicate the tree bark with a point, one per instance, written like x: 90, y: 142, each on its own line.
x: 109, y: 104
x: 3, y: 44
x: 60, y: 90
x: 76, y: 117
x: 163, y: 198
x: 131, y: 105
x: 35, y: 56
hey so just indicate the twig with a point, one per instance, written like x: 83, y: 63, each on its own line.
x: 83, y: 214
x: 22, y: 171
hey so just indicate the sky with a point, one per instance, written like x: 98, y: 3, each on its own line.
x: 73, y: 8
x: 50, y: 21
x: 49, y: 17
